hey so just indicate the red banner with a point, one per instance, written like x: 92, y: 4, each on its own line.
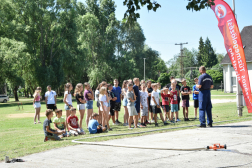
x: 233, y: 43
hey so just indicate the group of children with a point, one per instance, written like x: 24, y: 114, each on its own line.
x: 140, y: 97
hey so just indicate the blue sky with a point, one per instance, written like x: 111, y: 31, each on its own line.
x: 172, y: 23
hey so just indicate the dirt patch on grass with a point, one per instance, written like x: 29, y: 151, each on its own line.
x: 21, y: 115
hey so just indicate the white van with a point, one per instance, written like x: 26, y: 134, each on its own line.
x: 4, y: 98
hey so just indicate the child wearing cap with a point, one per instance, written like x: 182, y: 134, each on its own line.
x: 59, y: 122
x: 93, y: 125
x: 73, y: 126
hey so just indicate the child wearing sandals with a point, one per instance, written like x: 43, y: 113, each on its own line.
x: 50, y: 133
x: 59, y: 123
x: 103, y: 98
x: 36, y: 104
x: 73, y: 126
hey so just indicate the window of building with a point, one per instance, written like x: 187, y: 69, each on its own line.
x: 233, y: 81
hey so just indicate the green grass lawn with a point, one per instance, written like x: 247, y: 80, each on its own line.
x: 19, y: 136
x: 219, y: 92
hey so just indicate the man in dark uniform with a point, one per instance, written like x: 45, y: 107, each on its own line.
x: 205, y: 83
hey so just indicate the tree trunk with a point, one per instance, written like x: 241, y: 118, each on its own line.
x: 15, y: 93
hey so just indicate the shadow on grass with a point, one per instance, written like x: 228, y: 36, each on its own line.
x: 11, y: 104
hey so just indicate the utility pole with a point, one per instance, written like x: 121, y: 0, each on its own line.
x: 239, y: 94
x: 144, y: 68
x: 181, y: 56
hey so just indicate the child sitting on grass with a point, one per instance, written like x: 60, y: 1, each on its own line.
x: 50, y: 133
x: 93, y: 125
x: 73, y: 126
x: 59, y: 122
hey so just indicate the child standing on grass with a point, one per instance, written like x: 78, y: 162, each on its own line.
x: 174, y: 102
x: 165, y: 102
x: 78, y: 93
x: 103, y: 98
x: 143, y: 104
x: 93, y: 125
x: 59, y: 123
x: 112, y: 104
x: 36, y: 104
x: 50, y: 133
x: 68, y: 99
x: 195, y: 97
x: 73, y: 126
x: 185, y: 92
x: 155, y: 104
x: 131, y: 98
x: 89, y: 96
x: 125, y: 102
x: 97, y: 92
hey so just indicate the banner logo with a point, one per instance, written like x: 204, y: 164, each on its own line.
x: 220, y: 11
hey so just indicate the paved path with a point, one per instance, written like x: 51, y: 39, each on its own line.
x: 237, y: 136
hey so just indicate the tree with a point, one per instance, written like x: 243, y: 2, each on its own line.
x: 216, y: 75
x: 200, y: 52
x: 164, y: 78
x: 209, y: 57
x: 134, y: 5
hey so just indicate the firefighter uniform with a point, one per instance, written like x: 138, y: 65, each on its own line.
x: 205, y: 104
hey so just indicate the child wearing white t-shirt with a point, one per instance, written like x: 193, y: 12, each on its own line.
x: 143, y: 104
x: 155, y: 104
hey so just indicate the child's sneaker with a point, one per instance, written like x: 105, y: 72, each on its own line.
x: 172, y: 121
x: 165, y: 123
x: 142, y: 126
x: 125, y: 124
x: 130, y: 128
x: 152, y: 121
x: 156, y: 124
x: 178, y: 120
x: 110, y: 129
x: 46, y: 139
x: 195, y: 118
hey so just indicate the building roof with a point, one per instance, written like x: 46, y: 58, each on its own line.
x: 246, y: 36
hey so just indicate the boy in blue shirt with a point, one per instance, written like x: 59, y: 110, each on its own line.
x: 94, y: 126
x: 196, y: 97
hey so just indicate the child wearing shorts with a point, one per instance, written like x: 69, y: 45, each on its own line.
x: 36, y: 104
x: 93, y: 125
x: 50, y: 133
x: 174, y: 102
x: 73, y: 126
x: 185, y: 92
x: 165, y: 102
x: 155, y: 104
x: 68, y: 99
x: 103, y: 98
x: 143, y: 104
x: 112, y: 104
x: 89, y: 96
x: 59, y: 123
x: 195, y: 97
x: 131, y: 98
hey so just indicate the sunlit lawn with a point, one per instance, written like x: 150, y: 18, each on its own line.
x: 19, y: 136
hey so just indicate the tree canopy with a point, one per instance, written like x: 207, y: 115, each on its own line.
x: 133, y: 5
